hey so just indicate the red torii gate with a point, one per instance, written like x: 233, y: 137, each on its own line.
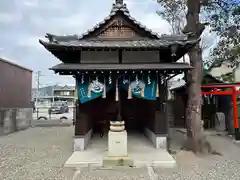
x: 225, y: 89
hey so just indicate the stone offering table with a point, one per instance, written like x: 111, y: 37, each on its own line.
x: 117, y: 146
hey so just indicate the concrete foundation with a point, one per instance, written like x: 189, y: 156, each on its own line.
x: 81, y: 142
x: 159, y: 141
x: 141, y: 153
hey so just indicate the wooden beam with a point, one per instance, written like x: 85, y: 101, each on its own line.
x: 159, y: 55
x: 120, y: 56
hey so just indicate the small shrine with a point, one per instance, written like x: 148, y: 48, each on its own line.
x: 121, y: 70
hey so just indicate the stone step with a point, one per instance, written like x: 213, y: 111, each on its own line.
x: 125, y: 161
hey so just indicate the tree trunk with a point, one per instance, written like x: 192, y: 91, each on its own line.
x: 195, y: 139
x: 194, y: 104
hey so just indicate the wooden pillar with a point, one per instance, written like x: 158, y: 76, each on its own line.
x: 80, y: 121
x: 160, y: 115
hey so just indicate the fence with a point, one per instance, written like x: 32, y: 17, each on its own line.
x: 15, y: 119
x: 43, y: 113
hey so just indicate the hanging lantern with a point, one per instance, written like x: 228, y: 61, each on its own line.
x: 117, y: 93
x: 129, y: 89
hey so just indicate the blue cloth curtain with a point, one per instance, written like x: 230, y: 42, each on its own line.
x: 93, y: 86
x: 142, y: 85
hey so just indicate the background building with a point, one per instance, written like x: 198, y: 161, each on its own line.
x: 49, y: 94
x: 15, y: 97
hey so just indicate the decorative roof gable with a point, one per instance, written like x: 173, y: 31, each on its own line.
x: 118, y: 28
x: 118, y: 22
x: 120, y: 15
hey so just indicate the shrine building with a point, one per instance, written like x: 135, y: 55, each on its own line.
x: 122, y: 71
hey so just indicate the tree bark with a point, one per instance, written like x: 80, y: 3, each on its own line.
x: 195, y: 139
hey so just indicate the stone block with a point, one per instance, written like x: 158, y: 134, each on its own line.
x: 117, y: 144
x: 220, y: 122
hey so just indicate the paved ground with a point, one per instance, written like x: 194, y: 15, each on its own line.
x: 39, y: 153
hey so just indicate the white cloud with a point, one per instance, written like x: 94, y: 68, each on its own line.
x: 30, y: 42
x: 71, y: 24
x: 31, y: 3
x: 12, y: 60
x: 6, y: 18
x: 156, y: 23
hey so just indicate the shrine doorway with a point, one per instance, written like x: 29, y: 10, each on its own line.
x: 135, y: 112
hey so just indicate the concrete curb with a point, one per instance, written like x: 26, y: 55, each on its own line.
x: 51, y: 123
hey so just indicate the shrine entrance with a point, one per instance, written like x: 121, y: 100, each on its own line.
x: 134, y: 98
x: 135, y: 112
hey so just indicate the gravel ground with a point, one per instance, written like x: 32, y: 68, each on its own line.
x: 208, y: 167
x: 39, y: 154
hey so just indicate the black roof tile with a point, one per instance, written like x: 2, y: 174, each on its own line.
x: 164, y: 41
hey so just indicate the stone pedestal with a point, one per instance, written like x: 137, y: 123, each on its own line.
x: 117, y: 144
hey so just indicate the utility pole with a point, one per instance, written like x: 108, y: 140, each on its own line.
x: 38, y: 86
x: 53, y: 99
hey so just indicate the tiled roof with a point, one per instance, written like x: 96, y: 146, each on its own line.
x: 164, y: 41
x: 155, y: 42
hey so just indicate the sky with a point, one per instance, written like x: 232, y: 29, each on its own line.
x: 24, y: 22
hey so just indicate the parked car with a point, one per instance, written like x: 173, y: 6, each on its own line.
x: 58, y: 108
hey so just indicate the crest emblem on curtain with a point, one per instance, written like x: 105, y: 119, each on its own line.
x: 140, y: 85
x: 93, y: 86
